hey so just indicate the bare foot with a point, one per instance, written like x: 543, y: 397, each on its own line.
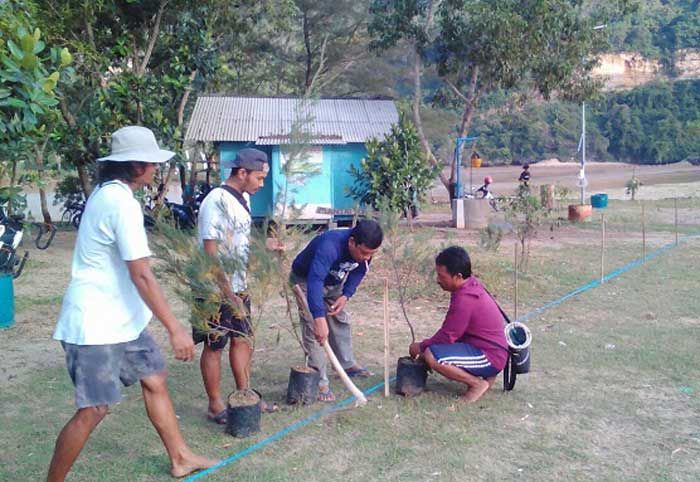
x: 475, y: 393
x: 491, y: 380
x: 191, y: 463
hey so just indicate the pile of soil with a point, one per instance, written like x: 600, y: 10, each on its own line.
x: 243, y: 398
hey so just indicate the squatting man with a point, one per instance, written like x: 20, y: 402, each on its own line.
x: 470, y: 347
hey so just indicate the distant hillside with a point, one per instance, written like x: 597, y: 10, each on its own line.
x: 656, y: 123
x: 626, y: 70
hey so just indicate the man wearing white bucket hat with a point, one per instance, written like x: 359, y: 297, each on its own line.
x: 111, y: 298
x: 470, y: 347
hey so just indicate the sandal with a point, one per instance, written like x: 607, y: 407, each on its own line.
x: 361, y: 372
x: 219, y: 419
x: 326, y: 395
x: 269, y: 407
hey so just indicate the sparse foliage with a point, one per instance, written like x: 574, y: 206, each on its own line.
x: 409, y: 257
x: 195, y: 276
x: 526, y: 214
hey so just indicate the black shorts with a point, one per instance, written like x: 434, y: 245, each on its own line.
x: 231, y: 327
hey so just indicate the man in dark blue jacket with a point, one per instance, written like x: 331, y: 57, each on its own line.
x: 329, y: 270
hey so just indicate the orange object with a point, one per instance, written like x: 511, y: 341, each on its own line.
x: 579, y: 212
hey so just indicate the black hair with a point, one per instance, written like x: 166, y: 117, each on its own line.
x: 123, y: 171
x: 234, y: 171
x: 526, y: 166
x: 368, y: 233
x: 456, y: 260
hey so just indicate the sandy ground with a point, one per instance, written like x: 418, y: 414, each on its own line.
x: 609, y: 177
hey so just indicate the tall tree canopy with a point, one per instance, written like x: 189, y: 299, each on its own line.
x: 476, y: 46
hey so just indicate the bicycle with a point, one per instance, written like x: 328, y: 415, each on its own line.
x: 72, y: 213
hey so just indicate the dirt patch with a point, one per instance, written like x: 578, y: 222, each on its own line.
x: 602, y: 176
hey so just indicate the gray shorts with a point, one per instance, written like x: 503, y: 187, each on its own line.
x: 97, y: 370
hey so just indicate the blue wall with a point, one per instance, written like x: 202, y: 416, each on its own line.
x: 327, y: 187
x: 342, y: 157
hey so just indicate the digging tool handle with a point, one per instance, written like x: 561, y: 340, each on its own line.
x: 360, y: 397
x: 386, y: 337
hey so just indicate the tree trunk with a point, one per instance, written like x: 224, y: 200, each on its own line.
x: 84, y: 179
x: 160, y: 196
x: 415, y: 108
x: 467, y: 115
x: 152, y: 38
x: 80, y: 165
x: 185, y: 98
x: 307, y: 48
x: 39, y: 158
x: 409, y: 218
x: 44, y: 207
x: 13, y: 178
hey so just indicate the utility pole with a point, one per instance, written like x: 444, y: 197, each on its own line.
x: 582, y: 142
x: 583, y: 152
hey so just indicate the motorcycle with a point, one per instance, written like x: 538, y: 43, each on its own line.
x: 484, y: 193
x: 11, y: 233
x: 183, y: 215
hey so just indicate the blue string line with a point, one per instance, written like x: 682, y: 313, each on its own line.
x: 296, y: 425
x: 607, y: 277
x: 326, y: 411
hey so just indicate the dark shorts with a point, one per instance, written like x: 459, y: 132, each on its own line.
x: 98, y: 370
x: 229, y: 326
x: 464, y: 356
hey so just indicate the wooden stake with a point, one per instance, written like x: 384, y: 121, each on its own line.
x: 644, y: 233
x: 675, y: 217
x: 386, y: 337
x: 515, y: 284
x: 360, y: 397
x: 602, y: 248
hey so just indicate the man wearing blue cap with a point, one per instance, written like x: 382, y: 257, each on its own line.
x: 224, y: 229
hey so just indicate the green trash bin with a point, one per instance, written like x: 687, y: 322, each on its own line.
x: 599, y: 201
x: 7, y: 301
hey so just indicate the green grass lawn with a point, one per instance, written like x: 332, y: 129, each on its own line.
x: 614, y: 392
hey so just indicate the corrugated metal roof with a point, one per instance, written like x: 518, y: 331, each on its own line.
x: 269, y: 120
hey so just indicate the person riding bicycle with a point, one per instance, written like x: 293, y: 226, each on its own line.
x: 483, y: 191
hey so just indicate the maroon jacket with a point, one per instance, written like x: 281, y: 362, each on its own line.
x: 473, y: 317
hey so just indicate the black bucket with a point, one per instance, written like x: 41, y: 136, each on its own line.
x: 519, y: 339
x: 410, y: 376
x: 303, y: 385
x: 243, y: 420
